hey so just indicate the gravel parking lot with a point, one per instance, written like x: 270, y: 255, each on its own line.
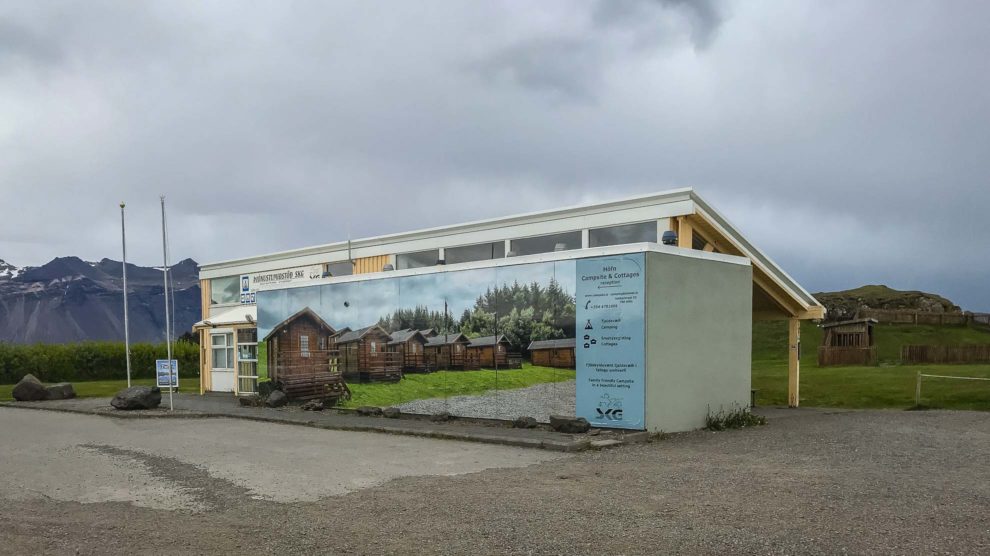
x: 539, y: 401
x: 810, y: 482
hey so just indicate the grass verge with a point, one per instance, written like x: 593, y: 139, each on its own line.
x: 107, y: 388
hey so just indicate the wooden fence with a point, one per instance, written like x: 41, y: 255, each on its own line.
x: 889, y: 316
x: 965, y: 353
x: 830, y: 356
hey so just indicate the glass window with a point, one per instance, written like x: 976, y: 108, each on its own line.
x: 479, y: 252
x: 344, y: 268
x: 417, y: 260
x: 304, y: 345
x: 546, y: 244
x: 627, y: 233
x: 225, y: 290
x: 374, y: 348
x: 223, y: 350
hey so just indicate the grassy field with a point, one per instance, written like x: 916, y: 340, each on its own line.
x: 107, y: 388
x: 889, y: 385
x: 452, y: 383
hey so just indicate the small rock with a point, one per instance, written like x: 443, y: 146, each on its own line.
x: 29, y: 389
x: 313, y: 405
x: 441, y: 417
x: 605, y: 443
x: 137, y: 397
x: 251, y: 400
x: 276, y: 399
x: 392, y: 412
x: 594, y: 432
x: 265, y: 388
x: 60, y: 391
x: 524, y: 423
x: 369, y: 410
x: 572, y: 425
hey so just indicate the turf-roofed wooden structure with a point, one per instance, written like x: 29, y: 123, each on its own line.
x: 364, y: 355
x: 302, y: 359
x: 553, y: 353
x: 849, y: 342
x: 409, y: 346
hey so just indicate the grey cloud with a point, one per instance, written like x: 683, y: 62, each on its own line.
x: 850, y: 150
x: 21, y: 44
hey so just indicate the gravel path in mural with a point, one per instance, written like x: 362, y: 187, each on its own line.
x: 538, y: 401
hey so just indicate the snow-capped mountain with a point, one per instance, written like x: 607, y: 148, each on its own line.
x: 8, y: 271
x: 70, y: 300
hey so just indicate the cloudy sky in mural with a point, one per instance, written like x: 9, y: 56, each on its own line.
x: 847, y: 139
x: 367, y: 301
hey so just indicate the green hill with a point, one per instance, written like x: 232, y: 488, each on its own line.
x: 843, y: 305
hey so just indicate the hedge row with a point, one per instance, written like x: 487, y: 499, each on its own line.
x: 91, y: 361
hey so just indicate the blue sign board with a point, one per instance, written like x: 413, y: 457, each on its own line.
x: 610, y: 344
x: 167, y: 377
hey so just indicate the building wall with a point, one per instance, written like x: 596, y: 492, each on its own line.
x: 698, y: 339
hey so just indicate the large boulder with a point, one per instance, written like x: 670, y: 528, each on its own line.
x: 276, y: 399
x: 573, y: 425
x: 29, y: 389
x: 137, y: 397
x: 525, y: 423
x: 60, y: 391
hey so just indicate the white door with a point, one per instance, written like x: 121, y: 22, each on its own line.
x: 222, y: 380
x: 222, y: 373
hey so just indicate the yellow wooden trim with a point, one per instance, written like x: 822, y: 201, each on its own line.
x: 685, y: 233
x: 367, y: 265
x: 205, y: 294
x: 793, y: 362
x: 709, y: 248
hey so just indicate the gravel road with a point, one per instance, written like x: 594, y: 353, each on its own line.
x: 539, y: 401
x: 810, y: 482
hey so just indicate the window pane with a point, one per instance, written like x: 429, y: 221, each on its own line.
x: 628, y: 233
x: 247, y: 335
x: 417, y: 260
x: 479, y: 252
x: 220, y: 358
x: 219, y: 340
x: 225, y: 290
x: 546, y: 244
x: 340, y: 269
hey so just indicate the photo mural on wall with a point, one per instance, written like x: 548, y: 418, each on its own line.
x: 525, y: 302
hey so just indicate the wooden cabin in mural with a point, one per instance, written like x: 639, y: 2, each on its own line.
x: 448, y: 351
x: 409, y: 345
x: 302, y: 359
x: 848, y: 342
x: 553, y: 353
x: 364, y: 355
x: 493, y: 352
x: 301, y: 345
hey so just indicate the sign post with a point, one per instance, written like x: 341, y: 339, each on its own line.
x: 610, y: 344
x: 166, y: 375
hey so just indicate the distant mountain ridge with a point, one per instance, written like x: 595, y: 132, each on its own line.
x: 70, y: 300
x: 845, y: 304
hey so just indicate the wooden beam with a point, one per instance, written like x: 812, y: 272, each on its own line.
x: 793, y: 362
x: 685, y: 233
x: 709, y: 248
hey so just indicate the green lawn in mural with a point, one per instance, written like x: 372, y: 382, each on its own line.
x: 452, y: 383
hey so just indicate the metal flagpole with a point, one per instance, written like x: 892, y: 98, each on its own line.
x: 127, y: 334
x: 168, y: 334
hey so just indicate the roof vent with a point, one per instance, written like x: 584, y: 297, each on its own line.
x: 560, y: 247
x: 388, y: 268
x: 669, y: 237
x: 441, y: 261
x: 510, y: 254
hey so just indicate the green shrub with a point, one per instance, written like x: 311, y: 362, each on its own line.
x: 736, y: 418
x: 90, y: 360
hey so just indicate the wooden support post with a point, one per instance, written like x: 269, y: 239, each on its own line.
x: 793, y: 362
x: 685, y: 233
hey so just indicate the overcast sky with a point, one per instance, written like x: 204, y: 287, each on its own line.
x: 849, y: 140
